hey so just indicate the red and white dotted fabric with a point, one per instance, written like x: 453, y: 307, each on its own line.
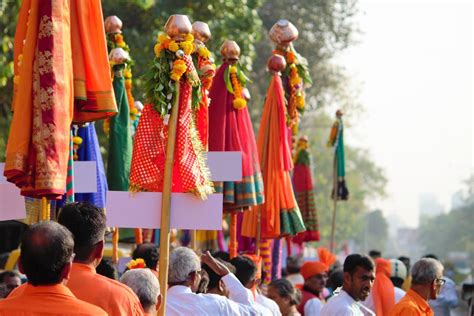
x: 190, y: 174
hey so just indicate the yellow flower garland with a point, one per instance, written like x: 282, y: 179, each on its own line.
x: 187, y: 47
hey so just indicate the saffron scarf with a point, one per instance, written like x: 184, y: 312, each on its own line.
x: 280, y: 214
x: 383, y: 290
x: 93, y: 92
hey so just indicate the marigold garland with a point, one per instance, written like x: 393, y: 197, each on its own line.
x: 138, y: 263
x: 239, y: 102
x: 298, y: 76
x: 161, y: 92
x: 116, y: 40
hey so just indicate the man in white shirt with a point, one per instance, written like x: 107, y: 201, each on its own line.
x: 359, y: 276
x: 184, y: 267
x: 247, y: 272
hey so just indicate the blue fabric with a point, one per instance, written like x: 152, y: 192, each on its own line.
x: 90, y: 151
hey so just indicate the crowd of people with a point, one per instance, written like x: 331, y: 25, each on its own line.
x: 61, y: 261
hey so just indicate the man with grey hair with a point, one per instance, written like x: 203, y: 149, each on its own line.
x: 183, y: 276
x: 145, y: 284
x: 427, y: 280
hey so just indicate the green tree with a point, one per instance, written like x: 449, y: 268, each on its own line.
x: 452, y: 231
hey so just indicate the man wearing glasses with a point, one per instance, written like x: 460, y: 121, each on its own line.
x: 427, y: 281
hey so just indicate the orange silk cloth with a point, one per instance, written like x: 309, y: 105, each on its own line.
x: 93, y: 92
x: 54, y: 300
x: 38, y: 146
x: 383, y: 290
x: 110, y: 295
x: 276, y: 162
x: 45, y: 49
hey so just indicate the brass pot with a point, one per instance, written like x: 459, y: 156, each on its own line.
x: 283, y: 32
x: 178, y: 26
x: 201, y: 32
x: 113, y: 25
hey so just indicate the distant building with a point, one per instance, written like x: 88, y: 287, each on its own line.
x: 429, y: 205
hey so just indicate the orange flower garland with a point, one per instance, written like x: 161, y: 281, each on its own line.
x: 296, y: 100
x: 239, y: 102
x: 138, y: 263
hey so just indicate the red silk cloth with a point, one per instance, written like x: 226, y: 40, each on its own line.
x: 231, y: 129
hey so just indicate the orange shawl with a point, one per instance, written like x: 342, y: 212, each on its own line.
x: 38, y: 145
x: 276, y: 162
x: 93, y: 93
x: 45, y: 47
x: 383, y: 291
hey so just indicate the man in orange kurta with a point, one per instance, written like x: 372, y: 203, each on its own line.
x: 46, y: 256
x: 426, y: 284
x: 88, y: 223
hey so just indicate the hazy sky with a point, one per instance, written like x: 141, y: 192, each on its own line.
x: 414, y: 65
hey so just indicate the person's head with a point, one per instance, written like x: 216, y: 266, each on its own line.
x: 406, y: 261
x: 184, y: 267
x: 432, y: 256
x: 148, y: 252
x: 145, y: 284
x: 9, y: 280
x: 223, y: 255
x: 293, y: 264
x: 203, y: 284
x: 374, y: 254
x: 427, y: 277
x: 284, y: 294
x: 336, y: 278
x: 216, y: 285
x: 87, y: 223
x: 245, y: 270
x: 315, y: 275
x: 46, y: 253
x: 359, y: 276
x: 398, y: 272
x: 107, y: 269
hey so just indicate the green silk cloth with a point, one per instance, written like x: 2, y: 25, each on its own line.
x: 341, y: 163
x: 120, y: 138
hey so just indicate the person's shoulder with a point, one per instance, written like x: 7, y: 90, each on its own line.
x: 83, y: 308
x: 314, y: 301
x: 404, y: 309
x: 115, y: 285
x: 336, y: 306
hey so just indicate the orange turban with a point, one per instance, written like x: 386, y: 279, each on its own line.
x: 311, y: 268
x: 326, y: 257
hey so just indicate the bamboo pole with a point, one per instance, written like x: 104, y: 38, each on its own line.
x: 193, y: 234
x: 166, y: 202
x: 44, y: 209
x: 335, y: 197
x: 115, y: 238
x: 233, y: 235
